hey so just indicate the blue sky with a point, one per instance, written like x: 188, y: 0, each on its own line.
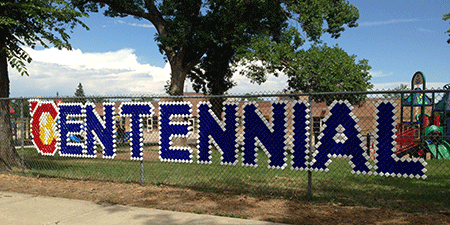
x: 120, y: 56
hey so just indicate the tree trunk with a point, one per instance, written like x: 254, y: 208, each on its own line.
x: 177, y: 77
x: 220, y: 76
x: 9, y: 158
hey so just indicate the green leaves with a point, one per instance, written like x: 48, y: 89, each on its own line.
x: 318, y: 69
x: 328, y: 69
x: 311, y: 15
x: 202, y: 38
x: 32, y: 23
x: 447, y: 17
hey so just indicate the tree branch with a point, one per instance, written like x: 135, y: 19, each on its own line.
x: 156, y: 18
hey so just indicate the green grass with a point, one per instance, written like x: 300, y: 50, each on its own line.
x: 415, y: 195
x: 338, y: 185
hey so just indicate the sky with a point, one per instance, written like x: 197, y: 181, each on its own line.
x: 119, y: 56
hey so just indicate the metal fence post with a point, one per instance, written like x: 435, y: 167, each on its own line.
x: 22, y: 132
x: 311, y: 133
x: 142, y: 172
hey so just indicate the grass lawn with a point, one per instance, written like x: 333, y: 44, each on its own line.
x: 337, y: 185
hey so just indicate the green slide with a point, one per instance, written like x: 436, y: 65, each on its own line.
x: 443, y: 150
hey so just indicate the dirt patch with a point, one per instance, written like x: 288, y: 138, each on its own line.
x: 242, y: 206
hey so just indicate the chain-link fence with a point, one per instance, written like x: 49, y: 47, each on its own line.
x: 388, y: 149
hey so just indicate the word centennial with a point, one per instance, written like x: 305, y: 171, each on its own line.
x: 243, y: 132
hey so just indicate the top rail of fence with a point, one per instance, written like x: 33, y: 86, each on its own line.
x: 261, y: 94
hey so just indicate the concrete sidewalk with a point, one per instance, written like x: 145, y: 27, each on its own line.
x: 18, y: 208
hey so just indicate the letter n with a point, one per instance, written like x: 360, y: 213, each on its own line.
x: 100, y: 130
x: 271, y: 137
x: 221, y: 134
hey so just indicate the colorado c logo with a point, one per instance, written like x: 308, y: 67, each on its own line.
x: 44, y: 130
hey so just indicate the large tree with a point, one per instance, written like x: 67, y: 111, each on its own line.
x: 329, y: 69
x: 318, y: 69
x: 27, y: 23
x: 201, y: 38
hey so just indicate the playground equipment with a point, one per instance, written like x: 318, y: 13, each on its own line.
x: 424, y: 133
x: 11, y: 110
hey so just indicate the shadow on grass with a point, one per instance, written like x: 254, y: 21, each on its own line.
x: 85, y: 169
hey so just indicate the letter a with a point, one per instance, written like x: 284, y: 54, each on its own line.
x: 340, y: 137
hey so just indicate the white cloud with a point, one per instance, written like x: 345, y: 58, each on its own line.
x: 141, y: 25
x: 385, y: 86
x: 425, y: 30
x: 271, y: 86
x: 244, y: 85
x: 379, y: 74
x: 107, y: 73
x: 386, y: 22
x: 146, y: 25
